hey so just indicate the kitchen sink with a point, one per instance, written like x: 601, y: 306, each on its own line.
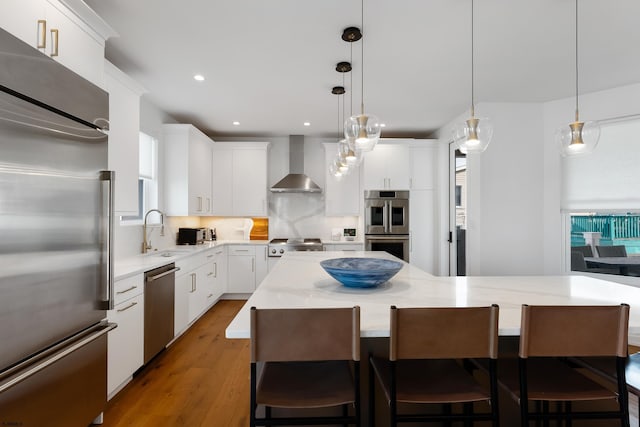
x: 168, y: 253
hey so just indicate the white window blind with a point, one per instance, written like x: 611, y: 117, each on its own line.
x: 609, y: 178
x: 148, y: 146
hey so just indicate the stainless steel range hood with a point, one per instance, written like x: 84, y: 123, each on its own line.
x: 296, y: 181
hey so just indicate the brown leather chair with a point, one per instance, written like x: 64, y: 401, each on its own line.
x: 311, y: 360
x: 422, y: 366
x: 549, y: 335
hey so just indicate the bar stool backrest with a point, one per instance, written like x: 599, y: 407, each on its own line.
x: 444, y: 333
x: 547, y: 331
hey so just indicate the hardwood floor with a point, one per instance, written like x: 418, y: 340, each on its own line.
x: 202, y: 379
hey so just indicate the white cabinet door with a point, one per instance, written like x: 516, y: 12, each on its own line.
x: 262, y: 263
x: 423, y: 165
x: 200, y: 289
x: 200, y: 149
x: 220, y: 260
x: 240, y: 179
x: 250, y: 182
x: 341, y: 195
x: 20, y: 18
x: 187, y: 170
x: 183, y: 287
x: 124, y: 137
x: 222, y: 190
x: 387, y: 167
x: 242, y: 274
x: 423, y: 242
x: 125, y: 350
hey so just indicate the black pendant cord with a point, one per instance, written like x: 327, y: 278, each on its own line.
x: 472, y: 66
x: 351, y: 80
x: 577, y: 114
x: 362, y: 57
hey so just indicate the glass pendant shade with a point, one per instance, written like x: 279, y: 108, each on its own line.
x: 578, y: 138
x: 334, y: 170
x: 362, y: 131
x: 474, y: 135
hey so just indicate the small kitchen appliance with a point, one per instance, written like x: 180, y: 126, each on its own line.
x: 191, y: 236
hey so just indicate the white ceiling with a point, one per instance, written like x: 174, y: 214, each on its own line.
x: 271, y: 64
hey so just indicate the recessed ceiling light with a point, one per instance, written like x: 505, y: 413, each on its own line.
x: 198, y: 77
x: 307, y: 124
x: 236, y: 123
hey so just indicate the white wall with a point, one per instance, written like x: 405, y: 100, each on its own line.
x: 515, y: 187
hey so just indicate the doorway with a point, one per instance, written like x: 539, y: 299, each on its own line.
x: 457, y: 211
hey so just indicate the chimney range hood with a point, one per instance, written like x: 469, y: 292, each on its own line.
x: 296, y: 181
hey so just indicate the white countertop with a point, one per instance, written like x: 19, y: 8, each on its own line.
x: 140, y: 263
x: 298, y: 281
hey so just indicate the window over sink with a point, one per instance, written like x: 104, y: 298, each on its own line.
x: 147, y: 179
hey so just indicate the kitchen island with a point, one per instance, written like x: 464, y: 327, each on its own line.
x: 299, y: 281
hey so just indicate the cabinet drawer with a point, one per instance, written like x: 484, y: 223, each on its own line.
x: 242, y: 250
x: 127, y: 288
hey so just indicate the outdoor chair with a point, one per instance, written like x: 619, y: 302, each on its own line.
x: 611, y: 251
x: 586, y: 251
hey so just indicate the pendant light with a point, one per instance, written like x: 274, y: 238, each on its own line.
x: 473, y: 135
x: 578, y: 137
x: 339, y: 167
x: 346, y: 150
x: 363, y: 130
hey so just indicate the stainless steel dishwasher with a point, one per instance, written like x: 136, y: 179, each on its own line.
x: 159, y: 291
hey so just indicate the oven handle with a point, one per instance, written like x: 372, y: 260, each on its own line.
x: 386, y: 216
x: 400, y: 237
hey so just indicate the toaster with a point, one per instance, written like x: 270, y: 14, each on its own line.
x: 191, y: 236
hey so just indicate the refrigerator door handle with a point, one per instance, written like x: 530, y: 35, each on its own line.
x: 55, y: 354
x: 107, y: 253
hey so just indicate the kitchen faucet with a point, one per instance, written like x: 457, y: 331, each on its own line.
x: 146, y: 245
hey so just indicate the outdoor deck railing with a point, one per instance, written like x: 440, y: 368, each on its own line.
x: 610, y: 226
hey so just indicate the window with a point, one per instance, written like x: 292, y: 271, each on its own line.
x: 147, y: 177
x: 458, y: 196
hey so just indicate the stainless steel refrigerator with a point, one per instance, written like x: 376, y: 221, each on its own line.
x: 55, y: 241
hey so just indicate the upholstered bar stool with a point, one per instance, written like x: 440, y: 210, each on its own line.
x: 422, y: 366
x: 549, y: 336
x: 311, y: 360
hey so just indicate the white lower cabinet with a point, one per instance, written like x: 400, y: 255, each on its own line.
x: 126, y: 342
x: 262, y: 263
x: 242, y: 269
x: 198, y: 285
x: 343, y: 247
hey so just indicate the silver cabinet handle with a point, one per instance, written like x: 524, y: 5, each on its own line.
x: 133, y: 304
x: 164, y: 273
x: 127, y: 290
x: 209, y: 274
x: 215, y: 269
x: 209, y: 296
x: 193, y: 282
x: 253, y: 265
x: 210, y: 256
x: 199, y: 203
x: 208, y: 204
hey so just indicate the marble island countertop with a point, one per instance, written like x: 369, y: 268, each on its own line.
x: 298, y: 281
x: 156, y: 258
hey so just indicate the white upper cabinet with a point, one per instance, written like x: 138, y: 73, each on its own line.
x: 75, y: 38
x: 387, y: 166
x: 240, y: 179
x: 124, y: 137
x: 187, y: 166
x: 341, y: 195
x: 423, y: 164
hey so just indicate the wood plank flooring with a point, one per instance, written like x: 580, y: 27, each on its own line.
x: 202, y: 379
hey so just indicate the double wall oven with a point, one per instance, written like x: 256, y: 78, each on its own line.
x: 386, y: 222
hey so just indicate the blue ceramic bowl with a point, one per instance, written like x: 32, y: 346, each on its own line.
x: 361, y: 272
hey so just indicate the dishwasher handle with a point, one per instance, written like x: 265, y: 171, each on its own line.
x: 165, y: 273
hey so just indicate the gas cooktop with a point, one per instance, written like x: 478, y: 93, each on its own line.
x: 278, y: 247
